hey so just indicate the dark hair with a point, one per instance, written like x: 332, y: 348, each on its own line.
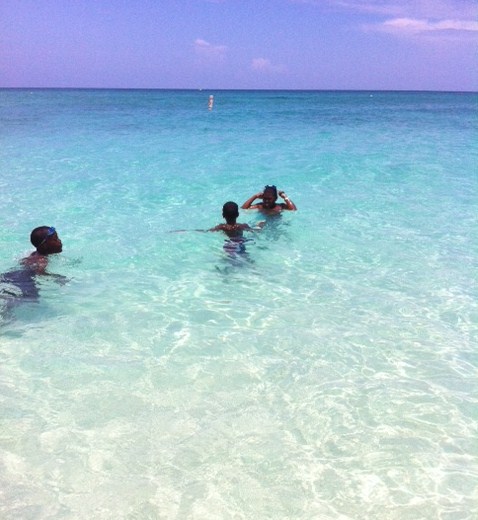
x: 230, y: 210
x: 38, y: 235
x: 271, y: 188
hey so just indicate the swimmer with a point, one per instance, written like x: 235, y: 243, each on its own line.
x: 269, y: 206
x: 19, y: 285
x: 46, y: 242
x: 233, y: 229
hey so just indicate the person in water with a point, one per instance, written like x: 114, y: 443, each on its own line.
x: 233, y: 229
x: 46, y: 242
x: 19, y: 285
x: 269, y: 205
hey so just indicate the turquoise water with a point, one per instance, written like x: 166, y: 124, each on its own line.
x: 329, y: 374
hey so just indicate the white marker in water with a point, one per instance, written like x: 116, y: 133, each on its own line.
x: 211, y: 102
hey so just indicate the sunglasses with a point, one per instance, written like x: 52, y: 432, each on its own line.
x: 51, y: 231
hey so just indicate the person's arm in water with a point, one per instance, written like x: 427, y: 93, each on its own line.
x: 257, y: 227
x: 249, y: 202
x: 219, y: 227
x: 288, y: 203
x: 37, y: 264
x: 238, y: 227
x: 253, y: 229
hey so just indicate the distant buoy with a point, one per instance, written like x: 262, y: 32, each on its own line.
x: 211, y: 102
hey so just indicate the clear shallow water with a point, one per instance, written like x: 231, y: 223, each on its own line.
x: 331, y: 374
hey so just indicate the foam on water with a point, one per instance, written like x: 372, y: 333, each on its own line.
x: 330, y: 373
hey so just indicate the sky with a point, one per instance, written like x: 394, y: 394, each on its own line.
x: 240, y: 44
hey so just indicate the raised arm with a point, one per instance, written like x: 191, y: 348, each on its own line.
x: 248, y: 204
x: 288, y: 203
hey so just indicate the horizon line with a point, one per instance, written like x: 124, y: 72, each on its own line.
x: 192, y: 89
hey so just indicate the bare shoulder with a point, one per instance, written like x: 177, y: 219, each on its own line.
x: 219, y: 227
x: 35, y: 262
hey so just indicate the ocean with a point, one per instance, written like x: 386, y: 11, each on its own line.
x: 330, y: 372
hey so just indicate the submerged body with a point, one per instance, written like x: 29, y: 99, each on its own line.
x: 19, y: 284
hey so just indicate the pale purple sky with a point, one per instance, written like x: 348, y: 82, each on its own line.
x: 242, y: 44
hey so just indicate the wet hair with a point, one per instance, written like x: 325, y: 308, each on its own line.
x: 230, y: 210
x: 272, y: 189
x: 38, y: 235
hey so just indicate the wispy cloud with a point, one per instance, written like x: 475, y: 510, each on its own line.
x: 265, y: 65
x: 384, y: 7
x: 410, y: 25
x: 209, y: 51
x: 432, y: 9
x: 446, y: 18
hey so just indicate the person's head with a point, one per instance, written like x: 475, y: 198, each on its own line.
x: 45, y: 240
x: 230, y: 211
x: 269, y: 197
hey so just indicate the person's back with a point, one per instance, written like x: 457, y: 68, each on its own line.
x: 235, y: 243
x: 233, y: 229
